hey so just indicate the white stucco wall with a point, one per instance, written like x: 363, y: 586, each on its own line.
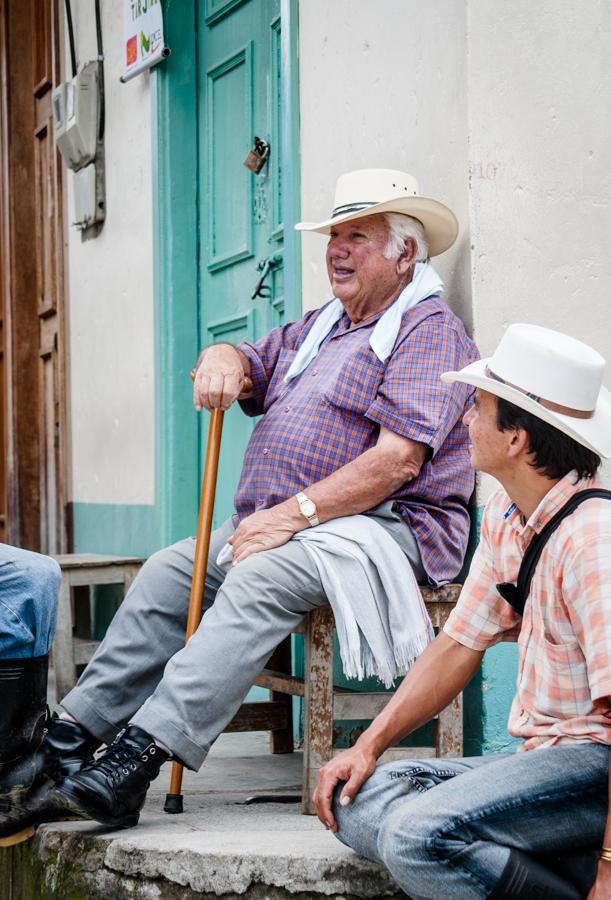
x: 110, y: 288
x: 384, y: 86
x: 539, y: 88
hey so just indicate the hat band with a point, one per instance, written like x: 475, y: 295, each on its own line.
x: 354, y: 207
x: 548, y: 404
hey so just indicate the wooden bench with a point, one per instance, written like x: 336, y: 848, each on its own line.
x: 73, y: 645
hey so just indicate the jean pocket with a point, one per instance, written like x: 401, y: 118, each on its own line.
x: 423, y: 778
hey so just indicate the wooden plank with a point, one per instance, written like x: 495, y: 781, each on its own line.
x: 94, y: 560
x: 278, y: 681
x: 365, y: 705
x: 447, y: 593
x: 394, y: 754
x: 104, y: 575
x: 318, y: 733
x: 281, y: 660
x: 449, y: 739
x: 63, y: 653
x: 84, y: 650
x: 266, y: 716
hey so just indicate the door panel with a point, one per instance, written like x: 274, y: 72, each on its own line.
x: 240, y: 212
x: 33, y: 415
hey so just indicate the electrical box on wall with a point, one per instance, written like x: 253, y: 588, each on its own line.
x: 75, y: 116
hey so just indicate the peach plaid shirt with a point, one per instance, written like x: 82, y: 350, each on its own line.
x: 563, y: 689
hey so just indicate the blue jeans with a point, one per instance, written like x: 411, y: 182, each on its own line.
x: 445, y: 827
x: 29, y: 585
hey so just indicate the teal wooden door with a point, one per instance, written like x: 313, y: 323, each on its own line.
x: 240, y: 214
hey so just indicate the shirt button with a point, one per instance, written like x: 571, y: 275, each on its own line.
x: 260, y: 501
x: 265, y: 451
x: 315, y: 372
x: 287, y: 408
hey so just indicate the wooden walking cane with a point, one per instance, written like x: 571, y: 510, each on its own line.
x: 173, y: 800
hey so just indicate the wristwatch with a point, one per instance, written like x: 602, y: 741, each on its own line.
x: 307, y: 508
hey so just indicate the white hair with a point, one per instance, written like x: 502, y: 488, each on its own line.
x: 401, y: 227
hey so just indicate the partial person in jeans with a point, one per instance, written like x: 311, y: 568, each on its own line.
x: 29, y: 584
x: 533, y: 824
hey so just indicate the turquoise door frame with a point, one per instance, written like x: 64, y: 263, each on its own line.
x: 177, y: 251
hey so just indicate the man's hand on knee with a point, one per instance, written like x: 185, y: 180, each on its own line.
x: 266, y: 529
x: 353, y: 766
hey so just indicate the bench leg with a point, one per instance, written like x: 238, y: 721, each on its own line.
x: 280, y: 661
x: 63, y: 650
x: 318, y: 737
x: 449, y: 738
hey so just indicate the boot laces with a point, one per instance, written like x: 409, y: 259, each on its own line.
x: 121, y: 756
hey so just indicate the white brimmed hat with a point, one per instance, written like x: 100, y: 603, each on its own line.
x: 551, y: 375
x: 366, y: 192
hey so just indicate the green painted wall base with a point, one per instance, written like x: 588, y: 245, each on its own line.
x: 118, y: 529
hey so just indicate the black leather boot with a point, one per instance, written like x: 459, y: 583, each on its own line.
x: 67, y: 747
x: 112, y: 790
x: 524, y: 877
x: 23, y: 712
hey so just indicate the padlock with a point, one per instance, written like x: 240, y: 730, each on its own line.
x: 258, y: 156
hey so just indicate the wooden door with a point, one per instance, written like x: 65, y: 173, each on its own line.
x: 31, y: 262
x: 241, y: 224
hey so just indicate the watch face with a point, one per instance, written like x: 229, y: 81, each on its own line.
x: 308, y: 508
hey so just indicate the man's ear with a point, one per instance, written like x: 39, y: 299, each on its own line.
x: 406, y: 260
x: 518, y: 442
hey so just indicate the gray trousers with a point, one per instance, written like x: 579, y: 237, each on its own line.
x: 184, y: 696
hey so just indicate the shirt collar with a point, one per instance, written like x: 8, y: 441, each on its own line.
x: 555, y: 498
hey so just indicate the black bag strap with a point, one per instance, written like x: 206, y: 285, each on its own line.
x: 516, y: 594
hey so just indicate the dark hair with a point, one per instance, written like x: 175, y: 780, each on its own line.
x: 554, y: 453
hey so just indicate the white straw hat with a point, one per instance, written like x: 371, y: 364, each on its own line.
x: 366, y: 192
x: 551, y: 375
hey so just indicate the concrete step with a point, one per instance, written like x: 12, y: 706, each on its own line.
x: 218, y: 847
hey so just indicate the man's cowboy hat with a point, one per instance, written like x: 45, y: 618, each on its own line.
x: 551, y: 375
x: 369, y: 191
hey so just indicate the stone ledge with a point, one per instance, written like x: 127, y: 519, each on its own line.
x: 164, y: 860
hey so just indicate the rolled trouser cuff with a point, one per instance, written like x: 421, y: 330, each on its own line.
x: 182, y: 746
x: 90, y: 717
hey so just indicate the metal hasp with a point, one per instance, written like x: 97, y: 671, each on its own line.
x: 258, y: 156
x: 264, y: 266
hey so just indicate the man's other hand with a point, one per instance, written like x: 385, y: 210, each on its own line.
x: 266, y: 529
x: 354, y: 766
x: 219, y: 378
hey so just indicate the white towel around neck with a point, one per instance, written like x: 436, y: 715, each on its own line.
x: 381, y: 620
x: 425, y: 283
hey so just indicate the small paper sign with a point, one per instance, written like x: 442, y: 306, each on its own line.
x: 143, y: 30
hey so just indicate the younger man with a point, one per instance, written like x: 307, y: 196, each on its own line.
x: 532, y: 824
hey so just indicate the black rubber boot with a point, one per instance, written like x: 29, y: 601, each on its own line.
x: 23, y: 712
x: 524, y: 877
x: 112, y: 790
x: 66, y: 747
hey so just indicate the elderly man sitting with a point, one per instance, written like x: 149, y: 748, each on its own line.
x: 355, y: 420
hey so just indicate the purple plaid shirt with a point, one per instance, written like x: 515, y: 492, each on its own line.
x: 332, y: 412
